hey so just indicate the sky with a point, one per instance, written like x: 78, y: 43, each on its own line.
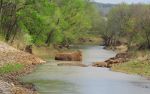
x: 125, y: 1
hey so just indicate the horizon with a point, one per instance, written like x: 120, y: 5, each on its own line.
x: 122, y: 1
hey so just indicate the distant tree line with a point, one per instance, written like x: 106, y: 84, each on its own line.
x: 128, y: 24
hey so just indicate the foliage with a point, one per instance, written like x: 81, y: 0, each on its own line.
x: 64, y: 21
x: 46, y: 22
x: 128, y: 22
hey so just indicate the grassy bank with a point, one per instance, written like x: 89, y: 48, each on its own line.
x: 9, y: 74
x: 138, y: 64
x: 134, y: 67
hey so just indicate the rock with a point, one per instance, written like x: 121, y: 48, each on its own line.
x: 28, y: 49
x: 90, y: 40
x: 42, y: 61
x: 99, y: 64
x: 119, y: 58
x: 21, y: 90
x: 70, y: 56
x: 5, y: 88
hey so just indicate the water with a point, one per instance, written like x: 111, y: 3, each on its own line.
x: 52, y: 79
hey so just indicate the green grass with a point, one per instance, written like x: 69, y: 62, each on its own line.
x: 134, y: 67
x: 9, y: 68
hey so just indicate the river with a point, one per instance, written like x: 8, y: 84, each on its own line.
x: 52, y: 79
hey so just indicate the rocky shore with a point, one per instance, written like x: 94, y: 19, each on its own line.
x: 9, y: 83
x: 118, y: 59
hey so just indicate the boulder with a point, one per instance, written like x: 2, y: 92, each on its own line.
x: 28, y: 49
x: 115, y: 61
x: 119, y: 58
x: 99, y: 64
x: 69, y: 56
x: 22, y: 90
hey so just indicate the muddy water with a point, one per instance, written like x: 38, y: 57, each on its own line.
x: 52, y: 79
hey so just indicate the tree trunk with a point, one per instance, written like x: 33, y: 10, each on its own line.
x: 49, y: 37
x: 50, y: 34
x: 148, y: 40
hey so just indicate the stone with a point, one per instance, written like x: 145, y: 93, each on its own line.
x: 99, y: 64
x: 69, y: 56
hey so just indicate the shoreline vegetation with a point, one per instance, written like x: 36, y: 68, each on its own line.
x: 42, y: 28
x: 134, y: 67
x: 10, y: 79
x: 138, y: 63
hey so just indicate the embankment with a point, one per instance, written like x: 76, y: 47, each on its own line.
x: 138, y: 63
x: 15, y: 63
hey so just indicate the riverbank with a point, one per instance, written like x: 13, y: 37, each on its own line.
x: 134, y: 67
x: 10, y: 84
x: 138, y: 63
x: 13, y: 64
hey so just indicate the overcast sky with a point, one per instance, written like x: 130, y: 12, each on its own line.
x: 120, y: 1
